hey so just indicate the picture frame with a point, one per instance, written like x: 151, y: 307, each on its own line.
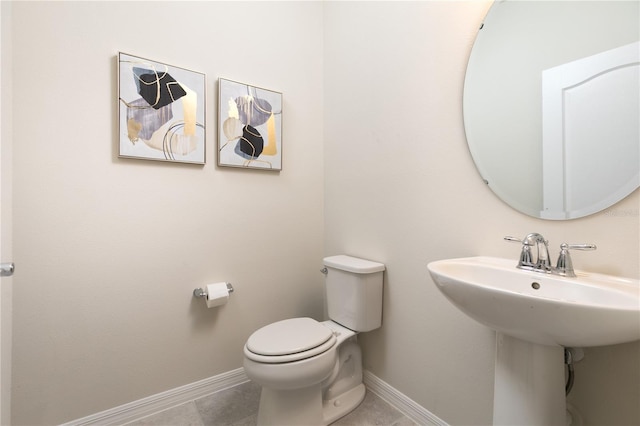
x: 162, y: 110
x: 249, y: 126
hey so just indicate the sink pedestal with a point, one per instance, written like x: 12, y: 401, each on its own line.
x: 552, y: 310
x: 529, y: 383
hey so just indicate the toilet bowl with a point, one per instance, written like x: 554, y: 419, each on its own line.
x: 290, y: 354
x: 311, y: 372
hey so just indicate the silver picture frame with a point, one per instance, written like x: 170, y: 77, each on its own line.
x: 162, y: 110
x: 249, y: 126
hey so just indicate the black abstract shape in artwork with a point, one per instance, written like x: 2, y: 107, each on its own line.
x: 148, y: 82
x: 251, y: 143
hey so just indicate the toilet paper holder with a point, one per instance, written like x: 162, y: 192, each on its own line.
x: 201, y: 292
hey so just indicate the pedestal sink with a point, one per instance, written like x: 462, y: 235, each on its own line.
x: 588, y: 310
x: 536, y: 315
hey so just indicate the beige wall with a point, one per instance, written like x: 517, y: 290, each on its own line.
x: 401, y: 188
x: 110, y: 250
x: 375, y: 165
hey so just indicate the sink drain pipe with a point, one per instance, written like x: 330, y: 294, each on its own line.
x: 571, y: 356
x: 568, y: 360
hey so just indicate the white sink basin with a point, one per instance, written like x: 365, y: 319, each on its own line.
x: 588, y: 310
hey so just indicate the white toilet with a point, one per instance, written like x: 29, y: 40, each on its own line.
x: 310, y: 371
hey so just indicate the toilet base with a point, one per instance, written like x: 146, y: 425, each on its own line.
x: 305, y: 406
x: 295, y: 407
x: 338, y: 407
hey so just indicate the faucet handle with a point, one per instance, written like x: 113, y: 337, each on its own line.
x: 525, y: 255
x: 565, y: 246
x: 565, y: 265
x: 514, y: 239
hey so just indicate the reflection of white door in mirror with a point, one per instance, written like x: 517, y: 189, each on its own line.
x: 574, y: 184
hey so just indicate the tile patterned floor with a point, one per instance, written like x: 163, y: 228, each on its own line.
x: 238, y: 406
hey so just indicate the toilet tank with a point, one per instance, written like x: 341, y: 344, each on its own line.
x: 354, y: 292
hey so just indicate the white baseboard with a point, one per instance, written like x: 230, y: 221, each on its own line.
x: 163, y: 401
x: 401, y: 402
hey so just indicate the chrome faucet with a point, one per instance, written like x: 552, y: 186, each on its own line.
x: 542, y: 263
x: 564, y: 265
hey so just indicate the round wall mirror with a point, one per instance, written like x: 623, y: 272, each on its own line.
x: 552, y: 104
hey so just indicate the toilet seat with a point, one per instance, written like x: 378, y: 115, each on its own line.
x: 289, y: 340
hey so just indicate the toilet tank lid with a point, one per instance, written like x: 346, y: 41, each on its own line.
x: 353, y: 264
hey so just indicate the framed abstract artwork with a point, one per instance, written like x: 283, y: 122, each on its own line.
x: 250, y: 126
x: 161, y: 111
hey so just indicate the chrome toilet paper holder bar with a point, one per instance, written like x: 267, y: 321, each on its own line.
x: 201, y: 292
